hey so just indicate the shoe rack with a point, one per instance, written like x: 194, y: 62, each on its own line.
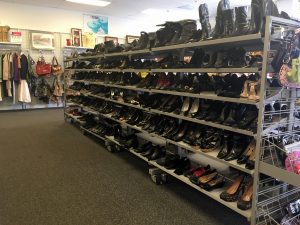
x: 273, y: 186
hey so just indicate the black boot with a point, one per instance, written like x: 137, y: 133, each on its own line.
x: 241, y: 25
x: 219, y: 27
x: 204, y: 20
x: 142, y: 42
x: 228, y: 22
x: 259, y: 10
x: 184, y: 32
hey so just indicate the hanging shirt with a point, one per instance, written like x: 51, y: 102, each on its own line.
x: 24, y: 67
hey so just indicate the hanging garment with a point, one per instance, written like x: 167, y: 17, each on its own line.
x: 1, y: 92
x: 16, y: 69
x: 8, y: 88
x: 24, y: 94
x: 1, y: 72
x: 5, y: 67
x: 24, y: 67
x: 11, y: 67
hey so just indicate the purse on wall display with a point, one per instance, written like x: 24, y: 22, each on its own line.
x: 56, y: 67
x: 43, y: 68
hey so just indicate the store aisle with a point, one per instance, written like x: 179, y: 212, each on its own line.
x: 52, y: 174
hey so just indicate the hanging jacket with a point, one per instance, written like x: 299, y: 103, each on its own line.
x: 24, y: 67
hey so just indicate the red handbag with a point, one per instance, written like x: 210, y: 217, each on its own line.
x: 43, y: 68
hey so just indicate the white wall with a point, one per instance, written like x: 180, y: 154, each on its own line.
x: 56, y: 20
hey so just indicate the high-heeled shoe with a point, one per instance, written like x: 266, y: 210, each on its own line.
x: 247, y: 153
x: 245, y: 201
x: 232, y: 193
x: 250, y: 164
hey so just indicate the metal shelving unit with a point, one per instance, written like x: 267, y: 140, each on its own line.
x: 254, y: 42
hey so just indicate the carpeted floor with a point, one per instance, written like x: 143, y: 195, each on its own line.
x: 51, y: 174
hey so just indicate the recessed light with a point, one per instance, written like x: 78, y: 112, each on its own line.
x: 91, y: 2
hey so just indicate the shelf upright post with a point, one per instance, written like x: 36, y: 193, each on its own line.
x: 261, y: 109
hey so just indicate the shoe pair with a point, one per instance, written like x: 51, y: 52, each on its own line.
x: 250, y: 90
x: 232, y: 194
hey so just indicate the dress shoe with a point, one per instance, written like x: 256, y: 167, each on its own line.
x: 226, y: 146
x: 217, y: 182
x: 191, y: 171
x: 232, y: 193
x: 210, y: 141
x: 247, y: 153
x: 202, y: 171
x: 192, y: 137
x: 203, y: 180
x: 250, y: 164
x: 245, y: 201
x: 237, y: 148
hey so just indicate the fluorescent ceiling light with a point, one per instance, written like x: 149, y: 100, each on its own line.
x: 153, y: 11
x: 91, y: 2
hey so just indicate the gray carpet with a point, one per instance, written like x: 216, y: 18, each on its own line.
x: 51, y: 174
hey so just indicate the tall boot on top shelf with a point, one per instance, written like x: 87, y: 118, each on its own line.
x: 259, y: 10
x: 228, y: 20
x: 204, y: 20
x: 241, y: 25
x: 219, y: 27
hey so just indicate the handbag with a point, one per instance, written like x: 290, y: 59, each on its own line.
x: 42, y: 68
x: 57, y: 87
x: 56, y: 68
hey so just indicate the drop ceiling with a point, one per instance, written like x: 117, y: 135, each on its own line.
x: 131, y: 8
